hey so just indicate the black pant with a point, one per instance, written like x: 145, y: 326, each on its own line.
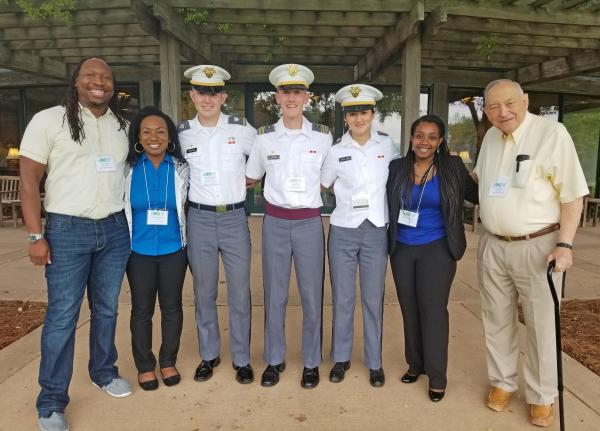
x: 423, y: 275
x: 149, y: 275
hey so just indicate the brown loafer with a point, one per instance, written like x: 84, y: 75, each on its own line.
x: 498, y: 399
x: 541, y: 415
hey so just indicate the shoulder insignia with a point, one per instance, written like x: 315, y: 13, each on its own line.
x: 382, y: 133
x: 265, y: 129
x: 237, y: 120
x: 338, y: 140
x: 183, y: 126
x: 320, y: 128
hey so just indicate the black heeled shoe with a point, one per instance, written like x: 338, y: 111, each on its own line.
x: 436, y: 396
x: 409, y: 378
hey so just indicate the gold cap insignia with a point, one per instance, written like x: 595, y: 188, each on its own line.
x: 293, y: 70
x: 209, y: 72
x: 355, y: 91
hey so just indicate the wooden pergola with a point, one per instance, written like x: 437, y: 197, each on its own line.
x: 547, y: 45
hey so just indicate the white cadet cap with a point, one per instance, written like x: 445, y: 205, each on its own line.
x: 207, y: 77
x: 291, y: 76
x: 358, y: 97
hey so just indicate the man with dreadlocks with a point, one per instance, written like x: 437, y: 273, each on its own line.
x: 82, y: 146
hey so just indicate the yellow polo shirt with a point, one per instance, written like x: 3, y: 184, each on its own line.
x: 532, y: 197
x: 74, y: 185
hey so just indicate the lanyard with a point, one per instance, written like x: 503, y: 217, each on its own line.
x: 429, y: 169
x: 146, y: 182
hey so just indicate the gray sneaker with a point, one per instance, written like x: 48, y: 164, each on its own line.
x: 56, y: 422
x: 118, y: 388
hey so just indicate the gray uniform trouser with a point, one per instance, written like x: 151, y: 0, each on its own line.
x: 365, y: 247
x: 210, y: 233
x: 302, y: 241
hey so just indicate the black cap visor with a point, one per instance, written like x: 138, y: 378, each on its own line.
x: 358, y: 108
x: 292, y: 87
x: 208, y: 89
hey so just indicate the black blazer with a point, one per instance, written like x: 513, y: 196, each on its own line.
x: 453, y: 220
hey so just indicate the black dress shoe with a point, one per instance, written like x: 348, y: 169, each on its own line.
x: 244, y: 375
x: 409, y: 378
x: 150, y: 385
x: 310, y: 378
x: 270, y: 377
x: 436, y: 396
x: 377, y: 378
x: 205, y: 369
x: 338, y: 371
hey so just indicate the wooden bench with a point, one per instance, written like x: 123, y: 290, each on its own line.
x: 474, y: 218
x: 590, y: 207
x: 9, y: 198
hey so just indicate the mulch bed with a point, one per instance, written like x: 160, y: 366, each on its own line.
x: 580, y: 329
x: 18, y: 318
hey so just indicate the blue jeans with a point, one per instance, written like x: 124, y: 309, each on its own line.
x: 84, y: 252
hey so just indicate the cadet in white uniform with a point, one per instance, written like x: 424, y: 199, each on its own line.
x: 357, y: 167
x: 216, y: 145
x: 291, y: 152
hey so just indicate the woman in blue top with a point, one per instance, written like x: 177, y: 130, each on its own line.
x: 157, y: 181
x: 425, y: 191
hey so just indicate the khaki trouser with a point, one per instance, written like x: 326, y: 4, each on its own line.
x: 508, y: 272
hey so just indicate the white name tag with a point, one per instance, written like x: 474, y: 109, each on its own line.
x: 105, y: 164
x: 360, y: 202
x: 157, y: 217
x: 498, y: 187
x: 295, y: 184
x: 408, y: 218
x: 209, y: 178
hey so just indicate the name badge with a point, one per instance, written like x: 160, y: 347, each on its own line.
x: 498, y: 187
x: 157, y: 217
x: 360, y: 202
x: 295, y: 184
x: 105, y: 164
x: 209, y: 178
x: 408, y: 218
x: 271, y: 157
x: 345, y: 159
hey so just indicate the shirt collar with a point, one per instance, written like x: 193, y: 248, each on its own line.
x: 518, y: 133
x: 374, y: 139
x: 86, y: 111
x: 144, y: 157
x: 306, y: 128
x: 221, y: 122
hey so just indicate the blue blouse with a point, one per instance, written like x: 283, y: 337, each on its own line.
x: 154, y: 240
x: 430, y: 226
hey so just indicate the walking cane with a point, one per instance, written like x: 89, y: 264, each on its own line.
x: 561, y: 408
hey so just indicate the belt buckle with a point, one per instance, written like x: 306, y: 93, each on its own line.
x: 507, y: 238
x: 221, y: 208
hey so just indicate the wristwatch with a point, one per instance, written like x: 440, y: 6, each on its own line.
x: 564, y: 245
x: 33, y: 237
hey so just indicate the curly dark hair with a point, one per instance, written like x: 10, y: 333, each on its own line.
x: 134, y: 133
x: 446, y: 171
x: 71, y: 104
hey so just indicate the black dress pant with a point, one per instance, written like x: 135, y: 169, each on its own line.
x: 423, y: 275
x: 149, y: 276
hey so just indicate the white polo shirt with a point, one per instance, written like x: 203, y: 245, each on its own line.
x: 359, y: 175
x: 217, y: 159
x: 292, y: 160
x: 74, y: 185
x: 531, y: 198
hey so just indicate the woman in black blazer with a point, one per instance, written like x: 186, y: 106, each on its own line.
x: 425, y: 192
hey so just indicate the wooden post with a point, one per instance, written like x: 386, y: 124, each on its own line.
x: 146, y: 92
x: 411, y: 87
x: 440, y: 95
x: 170, y: 77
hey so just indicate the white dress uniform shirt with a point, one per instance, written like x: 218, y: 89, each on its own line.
x: 217, y: 159
x: 516, y: 203
x: 292, y: 160
x: 359, y: 175
x: 75, y: 186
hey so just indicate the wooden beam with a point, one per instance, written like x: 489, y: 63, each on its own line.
x: 89, y: 42
x: 434, y: 21
x: 411, y: 87
x: 220, y: 39
x: 170, y: 77
x: 294, y: 31
x: 309, y: 5
x: 291, y: 50
x: 440, y: 95
x: 12, y: 7
x: 383, y: 52
x: 568, y: 4
x: 505, y: 58
x: 80, y: 17
x: 275, y: 59
x: 22, y: 61
x: 323, y: 74
x: 90, y: 31
x: 99, y: 51
x: 146, y: 87
x: 559, y: 68
x: 484, y: 65
x: 498, y: 51
x: 119, y: 59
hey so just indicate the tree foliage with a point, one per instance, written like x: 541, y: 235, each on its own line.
x: 46, y: 9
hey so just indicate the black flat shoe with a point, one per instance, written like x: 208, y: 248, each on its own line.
x: 436, y: 396
x: 205, y: 369
x: 270, y: 377
x: 377, y: 378
x: 409, y: 378
x: 338, y: 371
x: 310, y: 378
x: 244, y: 375
x: 149, y: 385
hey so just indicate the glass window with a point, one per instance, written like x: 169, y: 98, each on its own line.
x: 581, y: 117
x: 467, y: 123
x: 39, y: 98
x: 9, y: 131
x: 128, y: 99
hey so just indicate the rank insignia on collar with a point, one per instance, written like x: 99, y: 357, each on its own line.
x: 312, y: 151
x: 231, y: 140
x: 209, y: 71
x: 381, y: 156
x: 293, y: 70
x: 355, y: 91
